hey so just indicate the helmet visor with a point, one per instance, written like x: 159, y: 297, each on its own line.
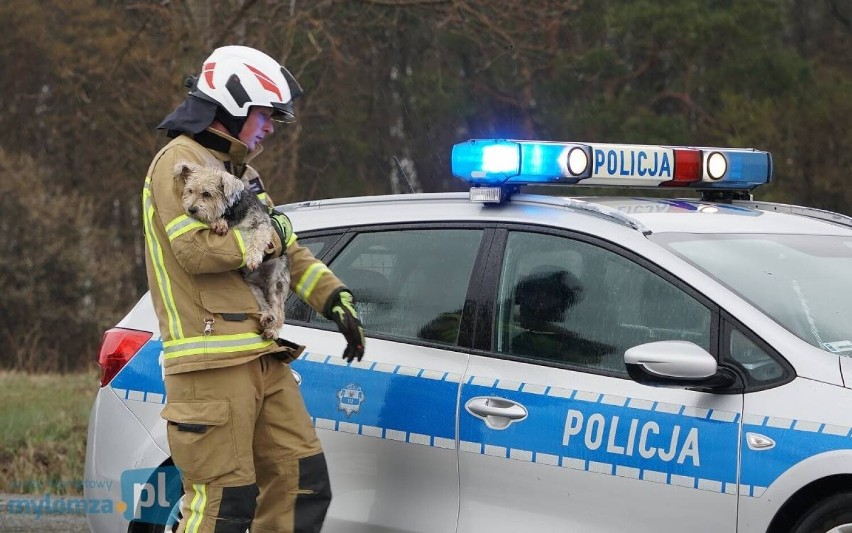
x: 284, y: 112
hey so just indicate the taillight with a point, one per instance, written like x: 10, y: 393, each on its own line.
x: 117, y: 348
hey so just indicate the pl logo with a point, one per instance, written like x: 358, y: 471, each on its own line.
x: 150, y: 493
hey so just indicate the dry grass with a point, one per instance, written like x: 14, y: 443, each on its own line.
x: 43, y: 419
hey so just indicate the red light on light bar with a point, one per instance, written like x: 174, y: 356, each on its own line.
x: 687, y: 168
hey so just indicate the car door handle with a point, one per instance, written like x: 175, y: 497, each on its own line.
x: 497, y: 413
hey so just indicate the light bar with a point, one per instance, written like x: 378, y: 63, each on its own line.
x: 505, y: 163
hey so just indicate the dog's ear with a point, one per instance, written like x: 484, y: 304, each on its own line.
x: 183, y: 170
x: 232, y: 187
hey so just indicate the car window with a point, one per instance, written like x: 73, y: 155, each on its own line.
x: 318, y: 245
x: 572, y: 302
x: 410, y: 283
x: 800, y: 281
x: 754, y: 360
x: 315, y: 244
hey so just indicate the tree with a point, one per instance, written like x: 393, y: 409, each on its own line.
x: 390, y: 86
x: 59, y: 288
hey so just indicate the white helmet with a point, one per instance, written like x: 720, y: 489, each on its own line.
x: 238, y: 77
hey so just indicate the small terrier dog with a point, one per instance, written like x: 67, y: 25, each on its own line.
x: 221, y: 200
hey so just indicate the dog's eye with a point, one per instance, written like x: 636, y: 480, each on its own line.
x: 206, y: 194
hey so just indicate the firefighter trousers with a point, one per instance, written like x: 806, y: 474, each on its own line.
x: 247, y: 451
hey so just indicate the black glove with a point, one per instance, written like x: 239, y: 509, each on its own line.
x: 346, y: 317
x: 282, y: 226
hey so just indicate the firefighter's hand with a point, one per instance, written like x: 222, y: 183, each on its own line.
x: 346, y: 317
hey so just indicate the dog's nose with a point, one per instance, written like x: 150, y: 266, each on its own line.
x: 192, y: 210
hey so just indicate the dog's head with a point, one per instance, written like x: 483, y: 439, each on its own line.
x: 207, y: 192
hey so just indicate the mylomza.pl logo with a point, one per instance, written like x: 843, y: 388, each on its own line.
x: 147, y: 495
x: 150, y: 493
x: 59, y: 505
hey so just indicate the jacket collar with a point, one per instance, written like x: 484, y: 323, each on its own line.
x: 233, y: 152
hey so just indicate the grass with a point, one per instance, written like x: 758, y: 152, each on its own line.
x: 43, y: 420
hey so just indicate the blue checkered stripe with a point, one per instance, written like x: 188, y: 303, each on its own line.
x: 606, y: 434
x: 609, y: 434
x: 796, y: 441
x: 418, y: 406
x: 399, y: 403
x: 612, y: 435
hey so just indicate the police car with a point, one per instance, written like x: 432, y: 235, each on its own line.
x: 548, y: 363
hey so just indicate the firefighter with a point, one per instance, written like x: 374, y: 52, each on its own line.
x: 237, y: 425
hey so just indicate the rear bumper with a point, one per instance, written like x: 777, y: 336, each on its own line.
x: 118, y: 444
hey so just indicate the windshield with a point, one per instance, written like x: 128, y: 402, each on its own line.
x: 801, y: 281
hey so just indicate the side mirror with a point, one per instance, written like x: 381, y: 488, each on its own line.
x: 679, y: 364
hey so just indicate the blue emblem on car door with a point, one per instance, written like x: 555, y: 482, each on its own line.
x: 350, y: 399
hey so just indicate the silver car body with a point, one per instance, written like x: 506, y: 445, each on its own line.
x: 412, y: 433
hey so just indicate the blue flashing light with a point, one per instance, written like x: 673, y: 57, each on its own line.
x: 549, y: 163
x: 486, y: 162
x: 743, y: 169
x: 500, y: 159
x: 500, y: 162
x: 496, y: 162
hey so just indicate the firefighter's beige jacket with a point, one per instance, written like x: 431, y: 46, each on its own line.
x: 208, y: 316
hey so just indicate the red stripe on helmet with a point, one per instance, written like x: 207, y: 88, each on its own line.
x: 208, y: 73
x: 266, y: 82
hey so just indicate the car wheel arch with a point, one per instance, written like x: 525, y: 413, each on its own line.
x: 806, y: 498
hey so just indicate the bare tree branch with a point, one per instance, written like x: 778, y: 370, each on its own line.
x: 835, y: 12
x: 236, y: 17
x: 134, y: 39
x: 398, y: 3
x: 688, y: 102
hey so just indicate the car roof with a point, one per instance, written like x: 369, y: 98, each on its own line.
x: 697, y: 216
x: 649, y: 215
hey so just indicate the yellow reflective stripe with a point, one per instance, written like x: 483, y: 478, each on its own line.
x: 156, y: 251
x: 309, y: 280
x: 214, y: 344
x: 263, y: 197
x: 181, y: 225
x: 291, y: 240
x: 196, y: 508
x: 242, y: 244
x: 184, y: 223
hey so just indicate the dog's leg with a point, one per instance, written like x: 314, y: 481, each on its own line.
x: 258, y: 284
x: 256, y: 245
x: 277, y: 289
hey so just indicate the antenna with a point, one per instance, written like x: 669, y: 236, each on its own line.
x: 404, y: 176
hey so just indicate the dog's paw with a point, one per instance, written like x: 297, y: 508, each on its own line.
x: 219, y: 226
x: 267, y: 319
x: 271, y: 324
x: 254, y: 261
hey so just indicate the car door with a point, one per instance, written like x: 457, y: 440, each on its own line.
x: 388, y: 423
x: 553, y: 434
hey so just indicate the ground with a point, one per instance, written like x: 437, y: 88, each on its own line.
x: 43, y: 421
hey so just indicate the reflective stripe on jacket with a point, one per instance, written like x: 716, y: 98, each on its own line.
x: 208, y: 316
